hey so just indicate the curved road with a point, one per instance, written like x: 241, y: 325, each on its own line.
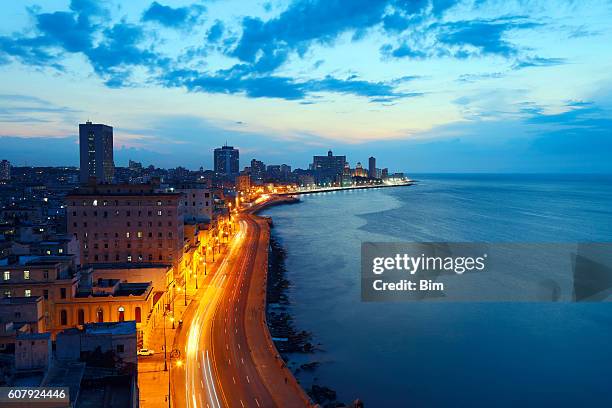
x: 230, y: 360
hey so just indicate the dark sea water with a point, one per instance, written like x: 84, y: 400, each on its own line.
x: 449, y: 354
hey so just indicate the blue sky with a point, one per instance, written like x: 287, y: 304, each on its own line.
x: 424, y: 85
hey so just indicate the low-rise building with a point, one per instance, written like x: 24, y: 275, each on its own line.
x: 33, y: 351
x: 20, y: 315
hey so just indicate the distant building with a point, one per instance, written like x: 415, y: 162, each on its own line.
x: 227, y: 161
x: 197, y: 201
x: 273, y: 172
x: 126, y: 224
x: 258, y: 171
x: 328, y: 168
x: 359, y: 171
x: 372, y: 167
x: 384, y: 173
x: 243, y: 186
x: 134, y: 166
x: 96, y: 151
x: 5, y: 170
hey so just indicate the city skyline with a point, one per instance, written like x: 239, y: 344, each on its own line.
x: 524, y: 83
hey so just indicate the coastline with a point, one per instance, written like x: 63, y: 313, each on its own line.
x: 332, y: 189
x: 289, y: 340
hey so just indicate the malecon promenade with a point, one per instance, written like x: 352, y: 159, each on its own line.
x: 227, y: 357
x: 230, y: 359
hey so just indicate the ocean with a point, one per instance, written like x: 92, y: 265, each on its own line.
x: 448, y: 354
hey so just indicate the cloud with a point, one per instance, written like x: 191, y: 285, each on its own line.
x: 482, y: 36
x: 305, y: 22
x: 27, y: 110
x: 119, y: 50
x: 240, y: 80
x: 215, y: 32
x: 180, y: 17
x: 402, y: 51
x: 538, y: 62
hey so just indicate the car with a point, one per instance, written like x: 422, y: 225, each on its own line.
x: 145, y: 352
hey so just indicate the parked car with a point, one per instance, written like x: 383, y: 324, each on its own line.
x: 145, y: 352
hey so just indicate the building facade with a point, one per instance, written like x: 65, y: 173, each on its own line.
x: 96, y: 152
x: 5, y: 170
x: 258, y: 171
x: 227, y: 161
x: 126, y: 224
x: 328, y: 168
x: 372, y: 167
x: 197, y: 202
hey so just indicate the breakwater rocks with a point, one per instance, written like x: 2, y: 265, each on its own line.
x: 287, y: 338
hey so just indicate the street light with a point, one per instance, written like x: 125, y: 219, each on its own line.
x: 165, y: 355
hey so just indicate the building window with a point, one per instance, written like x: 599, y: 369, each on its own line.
x: 46, y: 294
x: 100, y: 316
x: 129, y: 258
x: 127, y: 234
x: 81, y: 317
x: 159, y: 202
x: 139, y: 233
x: 63, y: 293
x: 27, y: 293
x: 7, y: 275
x: 63, y: 317
x: 137, y: 314
x: 120, y: 348
x: 95, y: 203
x: 26, y: 275
x: 7, y: 293
x: 159, y: 213
x: 121, y: 317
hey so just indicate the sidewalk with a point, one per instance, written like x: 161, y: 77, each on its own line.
x: 152, y: 379
x: 279, y: 379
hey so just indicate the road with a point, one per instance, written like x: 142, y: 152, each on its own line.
x: 229, y: 358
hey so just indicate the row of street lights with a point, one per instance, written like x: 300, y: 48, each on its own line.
x: 176, y: 353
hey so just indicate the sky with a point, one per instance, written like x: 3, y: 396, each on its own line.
x: 423, y: 85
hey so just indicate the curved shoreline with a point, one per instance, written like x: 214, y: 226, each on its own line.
x: 298, y: 341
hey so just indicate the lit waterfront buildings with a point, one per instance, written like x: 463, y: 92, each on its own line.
x: 96, y: 152
x: 227, y: 161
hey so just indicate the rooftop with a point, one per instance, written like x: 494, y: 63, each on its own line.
x: 14, y: 300
x: 34, y: 336
x: 119, y: 328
